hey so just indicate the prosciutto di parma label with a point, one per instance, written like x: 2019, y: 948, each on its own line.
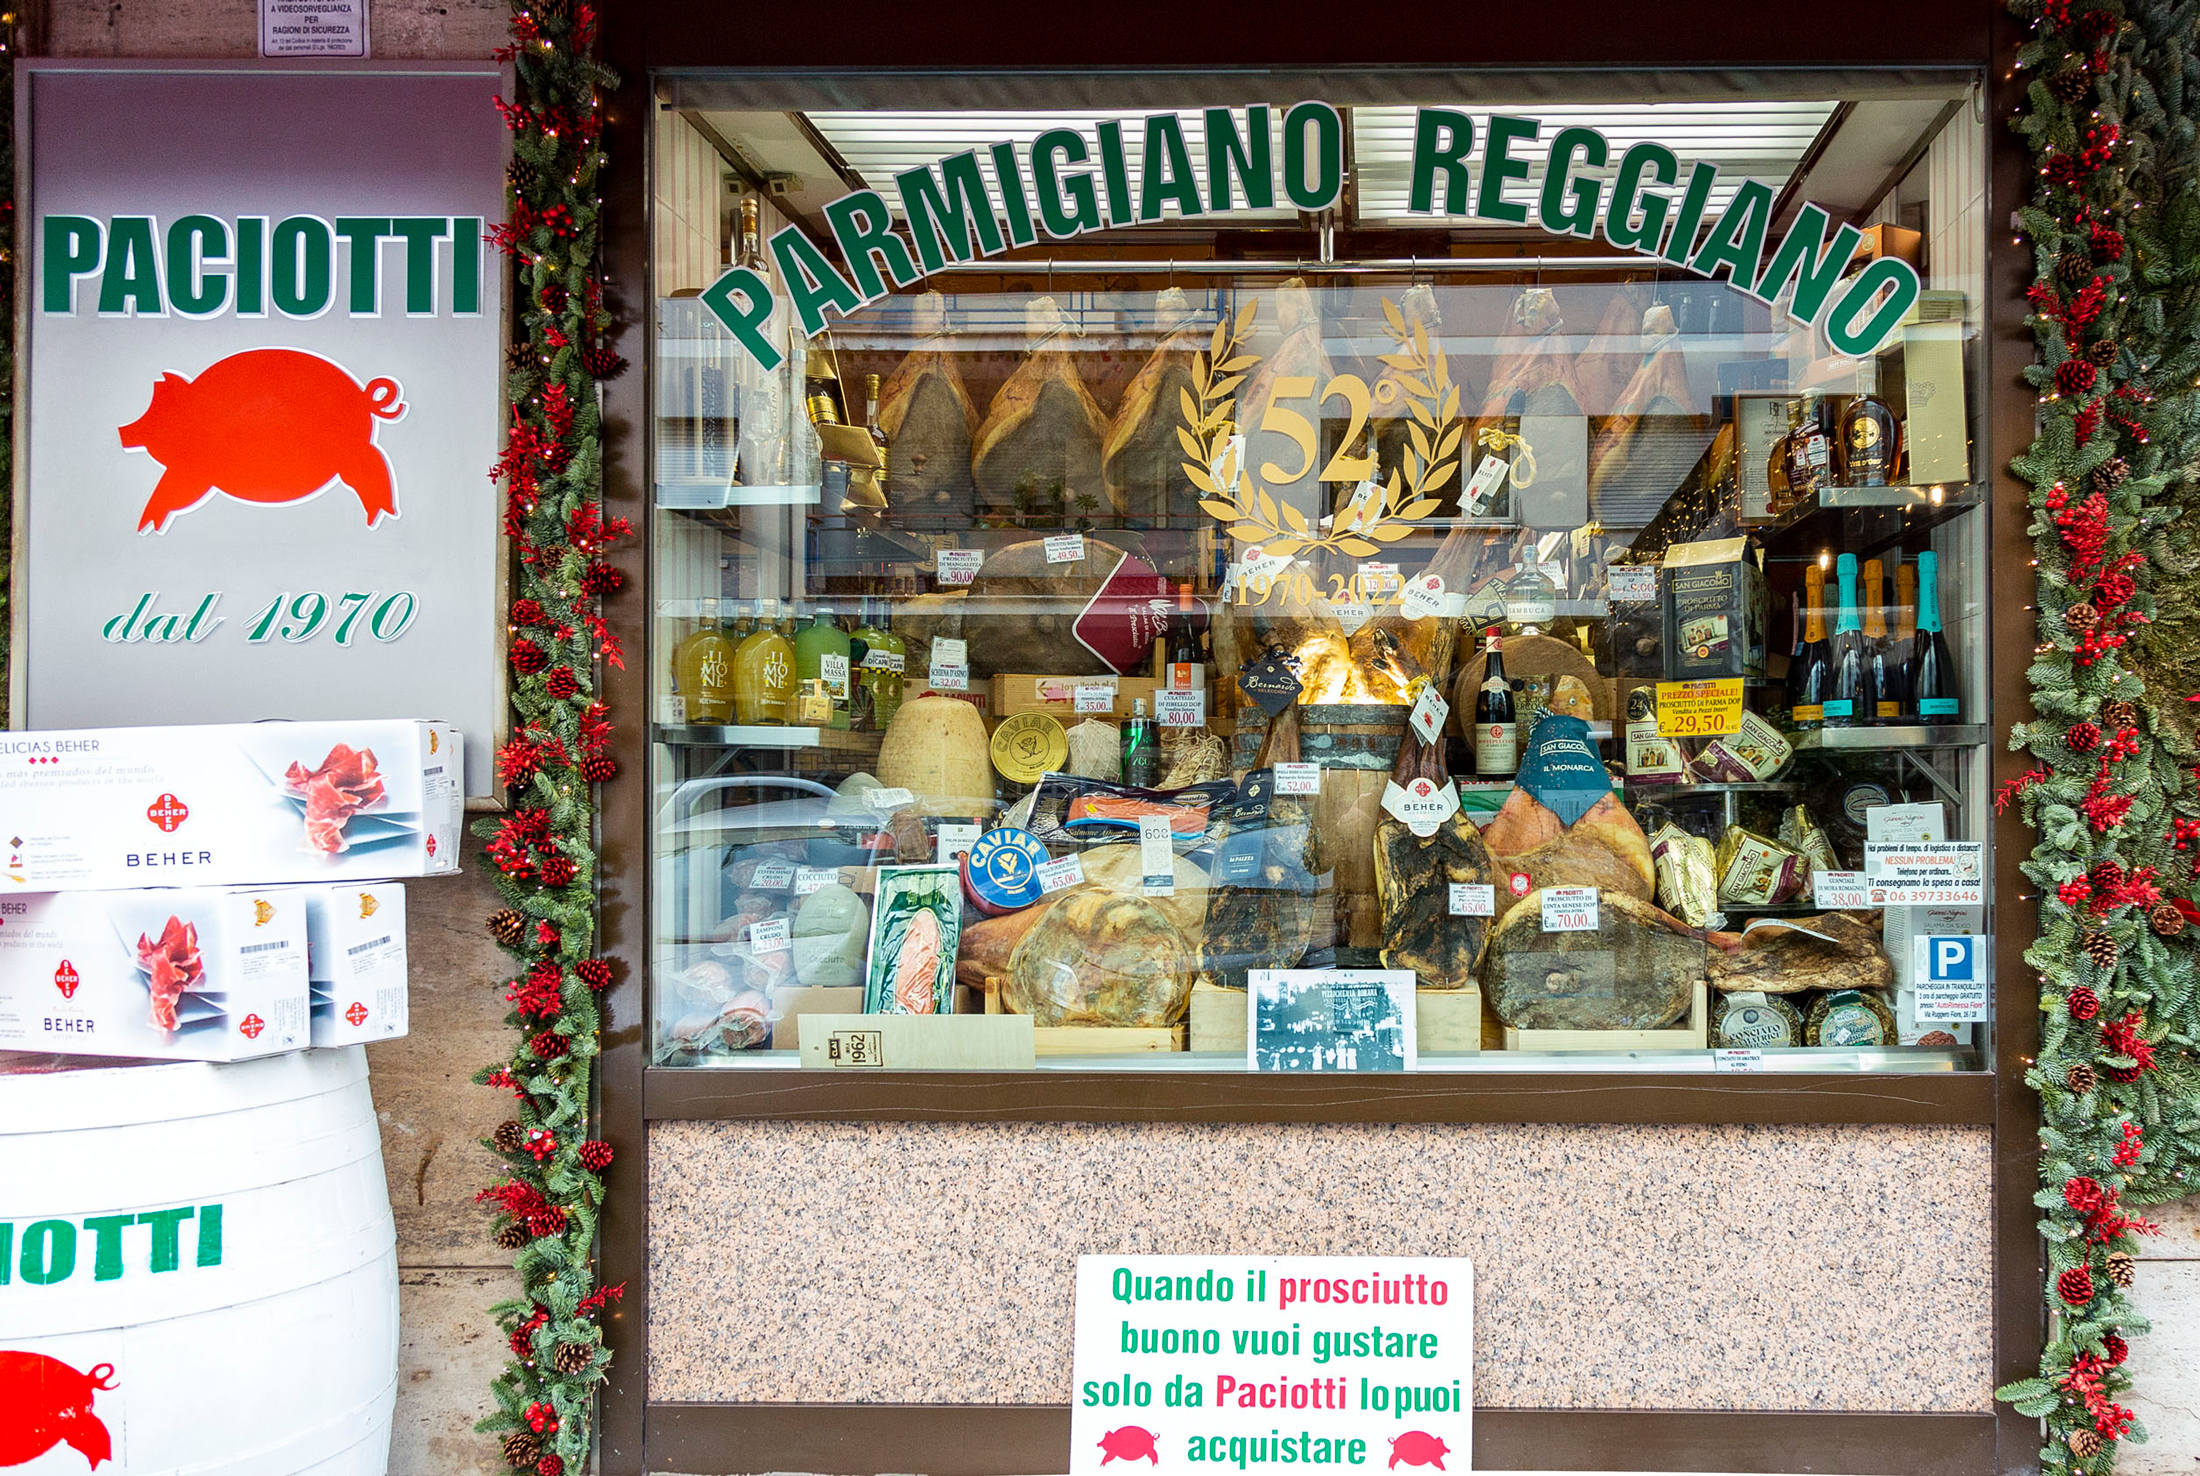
x: 1422, y: 805
x: 1120, y: 623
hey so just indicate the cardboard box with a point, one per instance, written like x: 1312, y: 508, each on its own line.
x: 1056, y: 696
x: 1936, y: 430
x: 790, y: 1004
x: 355, y: 961
x: 1891, y: 240
x: 98, y: 809
x: 179, y: 974
x: 1713, y: 596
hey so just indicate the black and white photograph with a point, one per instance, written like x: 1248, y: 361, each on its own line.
x: 1330, y: 1020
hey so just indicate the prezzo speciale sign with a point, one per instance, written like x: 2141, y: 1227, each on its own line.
x: 1261, y: 1363
x: 1068, y: 181
x: 264, y: 368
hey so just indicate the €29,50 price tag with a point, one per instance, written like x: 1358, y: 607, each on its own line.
x: 1708, y: 709
x: 1429, y: 713
x: 1473, y: 899
x: 808, y: 879
x: 1067, y: 872
x: 1569, y: 909
x: 958, y: 565
x: 1298, y: 778
x: 1065, y: 548
x: 1833, y: 891
x: 772, y: 936
x: 1180, y: 709
x: 1094, y: 697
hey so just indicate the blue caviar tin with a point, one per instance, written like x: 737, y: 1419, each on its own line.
x: 1001, y: 872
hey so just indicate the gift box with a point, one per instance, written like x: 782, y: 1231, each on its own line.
x: 181, y: 974
x: 355, y: 938
x: 229, y: 804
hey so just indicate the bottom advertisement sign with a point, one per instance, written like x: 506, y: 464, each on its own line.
x: 1259, y: 1363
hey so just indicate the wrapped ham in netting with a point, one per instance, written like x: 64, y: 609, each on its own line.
x: 1099, y: 958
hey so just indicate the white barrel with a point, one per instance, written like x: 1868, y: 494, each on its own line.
x: 200, y: 1270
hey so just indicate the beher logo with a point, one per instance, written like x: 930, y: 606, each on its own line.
x: 270, y: 425
x: 357, y: 1014
x: 65, y: 979
x: 168, y: 812
x: 44, y: 1402
x: 252, y: 1025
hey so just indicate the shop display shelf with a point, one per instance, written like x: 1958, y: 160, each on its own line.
x: 1653, y: 793
x: 760, y: 735
x: 709, y: 496
x: 1791, y: 1060
x: 1908, y: 735
x: 1864, y: 520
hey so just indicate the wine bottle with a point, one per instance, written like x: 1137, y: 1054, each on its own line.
x: 1141, y: 749
x: 1496, y: 734
x: 1810, y: 672
x: 1806, y: 457
x: 1905, y: 634
x: 1887, y: 675
x: 1870, y: 441
x: 1850, y: 700
x: 1932, y: 667
x: 1185, y: 669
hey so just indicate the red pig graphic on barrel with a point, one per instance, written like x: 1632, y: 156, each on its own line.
x: 268, y: 425
x: 44, y: 1402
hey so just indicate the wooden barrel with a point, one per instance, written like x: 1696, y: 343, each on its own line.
x: 1357, y: 746
x: 198, y: 1269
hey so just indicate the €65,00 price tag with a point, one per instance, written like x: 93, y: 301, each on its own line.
x: 1710, y: 709
x: 1298, y: 778
x: 1473, y: 899
x: 1067, y: 872
x: 1569, y: 909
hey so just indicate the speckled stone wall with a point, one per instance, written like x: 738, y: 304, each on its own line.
x: 1615, y: 1267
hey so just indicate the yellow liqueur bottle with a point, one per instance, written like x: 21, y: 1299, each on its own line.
x: 703, y: 666
x: 763, y: 673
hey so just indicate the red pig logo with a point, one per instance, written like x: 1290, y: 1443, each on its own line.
x: 267, y: 425
x: 44, y: 1402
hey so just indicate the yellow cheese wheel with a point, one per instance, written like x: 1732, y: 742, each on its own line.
x: 936, y: 749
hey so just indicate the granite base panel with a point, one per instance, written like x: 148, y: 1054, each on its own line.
x: 1616, y: 1267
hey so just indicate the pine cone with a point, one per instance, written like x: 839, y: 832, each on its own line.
x: 2123, y: 1268
x: 2075, y: 1286
x: 561, y: 683
x: 2082, y: 737
x: 2102, y: 353
x: 573, y: 1358
x: 2108, y: 476
x: 595, y: 1155
x: 2075, y: 377
x: 2084, y: 1444
x: 2167, y: 919
x: 2114, y: 1348
x: 2083, y: 1003
x: 2119, y: 714
x: 2080, y: 1078
x: 2074, y: 268
x: 599, y: 768
x: 2123, y: 1075
x: 2101, y: 948
x: 518, y: 356
x: 558, y: 871
x: 512, y: 1236
x: 2071, y: 82
x: 522, y: 176
x: 508, y: 927
x: 594, y: 972
x: 509, y: 1137
x: 521, y: 1449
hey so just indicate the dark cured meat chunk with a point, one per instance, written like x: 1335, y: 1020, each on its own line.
x: 1413, y: 878
x: 1634, y: 971
x: 1260, y: 902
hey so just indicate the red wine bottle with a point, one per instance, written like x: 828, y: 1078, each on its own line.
x: 1932, y: 666
x: 1496, y: 735
x: 1811, y: 671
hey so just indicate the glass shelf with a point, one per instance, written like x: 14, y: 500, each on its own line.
x: 763, y: 735
x: 704, y: 496
x: 1657, y: 792
x: 1937, y: 735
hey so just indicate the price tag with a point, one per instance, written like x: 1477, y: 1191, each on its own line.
x: 1833, y: 891
x: 1473, y: 899
x: 771, y: 936
x: 1925, y: 874
x: 1424, y: 597
x: 1298, y: 778
x: 1156, y: 856
x: 958, y: 565
x: 1569, y: 909
x: 950, y: 665
x: 808, y: 879
x: 1095, y: 697
x: 954, y: 841
x: 1067, y: 872
x: 1352, y: 616
x: 773, y: 876
x: 1429, y: 713
x: 1708, y: 709
x: 1180, y: 709
x: 1489, y: 475
x: 1380, y: 580
x: 1635, y: 583
x: 1952, y: 978
x: 889, y: 799
x: 1737, y: 1058
x: 1065, y: 548
x: 1365, y: 504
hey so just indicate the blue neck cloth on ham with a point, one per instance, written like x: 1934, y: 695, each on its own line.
x: 1562, y: 769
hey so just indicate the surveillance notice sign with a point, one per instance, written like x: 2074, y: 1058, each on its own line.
x: 1260, y: 1364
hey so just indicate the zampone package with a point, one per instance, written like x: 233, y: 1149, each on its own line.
x: 229, y: 804
x: 356, y: 959
x: 181, y: 974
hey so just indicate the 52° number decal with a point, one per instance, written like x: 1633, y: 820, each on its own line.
x: 299, y: 618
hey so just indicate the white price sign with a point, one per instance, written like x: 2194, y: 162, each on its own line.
x: 1925, y: 873
x: 1067, y: 872
x: 1094, y: 697
x: 1156, y: 856
x: 1181, y: 709
x: 1569, y: 909
x: 889, y: 799
x: 950, y: 665
x: 1634, y: 583
x: 1429, y: 713
x: 1065, y: 548
x: 1737, y: 1058
x: 808, y: 879
x: 958, y: 565
x: 954, y: 840
x: 1473, y: 899
x: 1834, y: 891
x: 774, y: 876
x: 1298, y: 778
x: 772, y: 936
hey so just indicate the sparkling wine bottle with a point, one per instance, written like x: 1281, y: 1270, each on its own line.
x: 1811, y: 671
x: 1932, y: 667
x: 1850, y: 700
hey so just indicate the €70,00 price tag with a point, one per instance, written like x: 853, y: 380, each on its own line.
x: 1569, y: 909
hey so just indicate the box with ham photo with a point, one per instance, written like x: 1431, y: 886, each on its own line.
x: 356, y: 961
x: 182, y: 974
x: 229, y: 804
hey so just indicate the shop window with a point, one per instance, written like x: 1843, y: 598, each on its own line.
x: 1104, y: 557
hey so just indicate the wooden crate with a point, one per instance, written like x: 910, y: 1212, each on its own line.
x: 916, y: 1042
x: 1692, y: 1034
x: 1446, y: 1021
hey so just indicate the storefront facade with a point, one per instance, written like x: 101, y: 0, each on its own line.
x: 1824, y: 1263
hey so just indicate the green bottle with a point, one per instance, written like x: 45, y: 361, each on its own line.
x: 1141, y: 749
x: 878, y: 668
x: 822, y: 672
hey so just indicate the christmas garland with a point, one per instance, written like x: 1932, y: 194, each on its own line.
x: 2115, y: 307
x: 544, y: 845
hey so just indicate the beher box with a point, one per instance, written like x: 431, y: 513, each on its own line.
x: 183, y: 974
x: 355, y: 958
x: 229, y: 804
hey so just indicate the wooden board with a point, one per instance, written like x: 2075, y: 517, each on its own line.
x: 1692, y: 1034
x: 791, y: 1004
x: 917, y: 1042
x: 1103, y: 1040
x: 1531, y: 656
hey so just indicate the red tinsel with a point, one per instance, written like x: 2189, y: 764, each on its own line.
x: 2008, y: 793
x: 2079, y: 313
x: 2121, y: 1036
x: 2086, y: 422
x: 546, y: 936
x: 536, y: 997
x: 2103, y: 810
x: 599, y: 1299
x: 518, y: 761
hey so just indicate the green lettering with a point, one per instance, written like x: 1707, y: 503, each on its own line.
x: 7, y: 1251
x: 1247, y: 156
x: 1620, y: 226
x: 420, y: 233
x: 301, y: 252
x: 812, y: 283
x: 167, y: 1254
x: 1167, y: 173
x: 71, y: 249
x: 1737, y: 241
x: 131, y: 282
x: 1116, y: 174
x: 1804, y: 255
x: 1682, y: 243
x: 1010, y: 173
x: 251, y: 266
x: 746, y: 321
x: 49, y: 1252
x: 1442, y: 139
x: 362, y: 235
x: 1884, y: 273
x: 1499, y: 166
x: 864, y: 227
x: 193, y: 242
x: 1579, y: 217
x: 1328, y: 156
x: 107, y: 1244
x: 1067, y: 207
x: 210, y: 1235
x: 961, y: 208
x: 466, y: 266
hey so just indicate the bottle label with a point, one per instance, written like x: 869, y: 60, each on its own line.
x: 1187, y: 676
x: 1807, y: 712
x: 1890, y: 709
x: 712, y: 674
x: 1496, y: 684
x: 1496, y: 748
x: 1946, y: 707
x: 1530, y: 609
x: 777, y: 671
x: 1838, y: 709
x: 877, y: 660
x: 834, y: 670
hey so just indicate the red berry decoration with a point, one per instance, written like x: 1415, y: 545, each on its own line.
x: 548, y: 1045
x: 2084, y: 1003
x: 527, y: 657
x: 599, y: 768
x: 2075, y: 1286
x: 2114, y: 1348
x: 2106, y: 245
x: 594, y: 972
x: 600, y: 579
x: 595, y: 1155
x: 542, y: 1418
x: 2074, y: 377
x: 541, y: 1142
x: 561, y: 683
x: 558, y: 871
x: 550, y: 1465
x: 2082, y: 737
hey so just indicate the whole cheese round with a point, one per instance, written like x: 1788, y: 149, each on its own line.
x: 936, y: 749
x: 1850, y: 1017
x: 831, y: 930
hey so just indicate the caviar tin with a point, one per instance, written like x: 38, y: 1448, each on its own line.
x: 1028, y: 745
x: 1001, y: 872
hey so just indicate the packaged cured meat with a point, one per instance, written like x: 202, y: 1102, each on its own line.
x: 1142, y: 460
x: 355, y: 960
x: 1757, y: 871
x: 1688, y: 875
x: 1099, y: 958
x: 930, y: 423
x: 1038, y: 452
x: 1788, y: 955
x: 741, y: 1020
x: 1635, y: 970
x: 1849, y: 1017
x: 1562, y: 826
x: 1800, y: 833
x: 185, y: 974
x: 916, y: 922
x: 1264, y: 881
x: 1756, y: 753
x: 232, y: 804
x: 1095, y: 750
x: 1414, y: 875
x: 1068, y: 813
